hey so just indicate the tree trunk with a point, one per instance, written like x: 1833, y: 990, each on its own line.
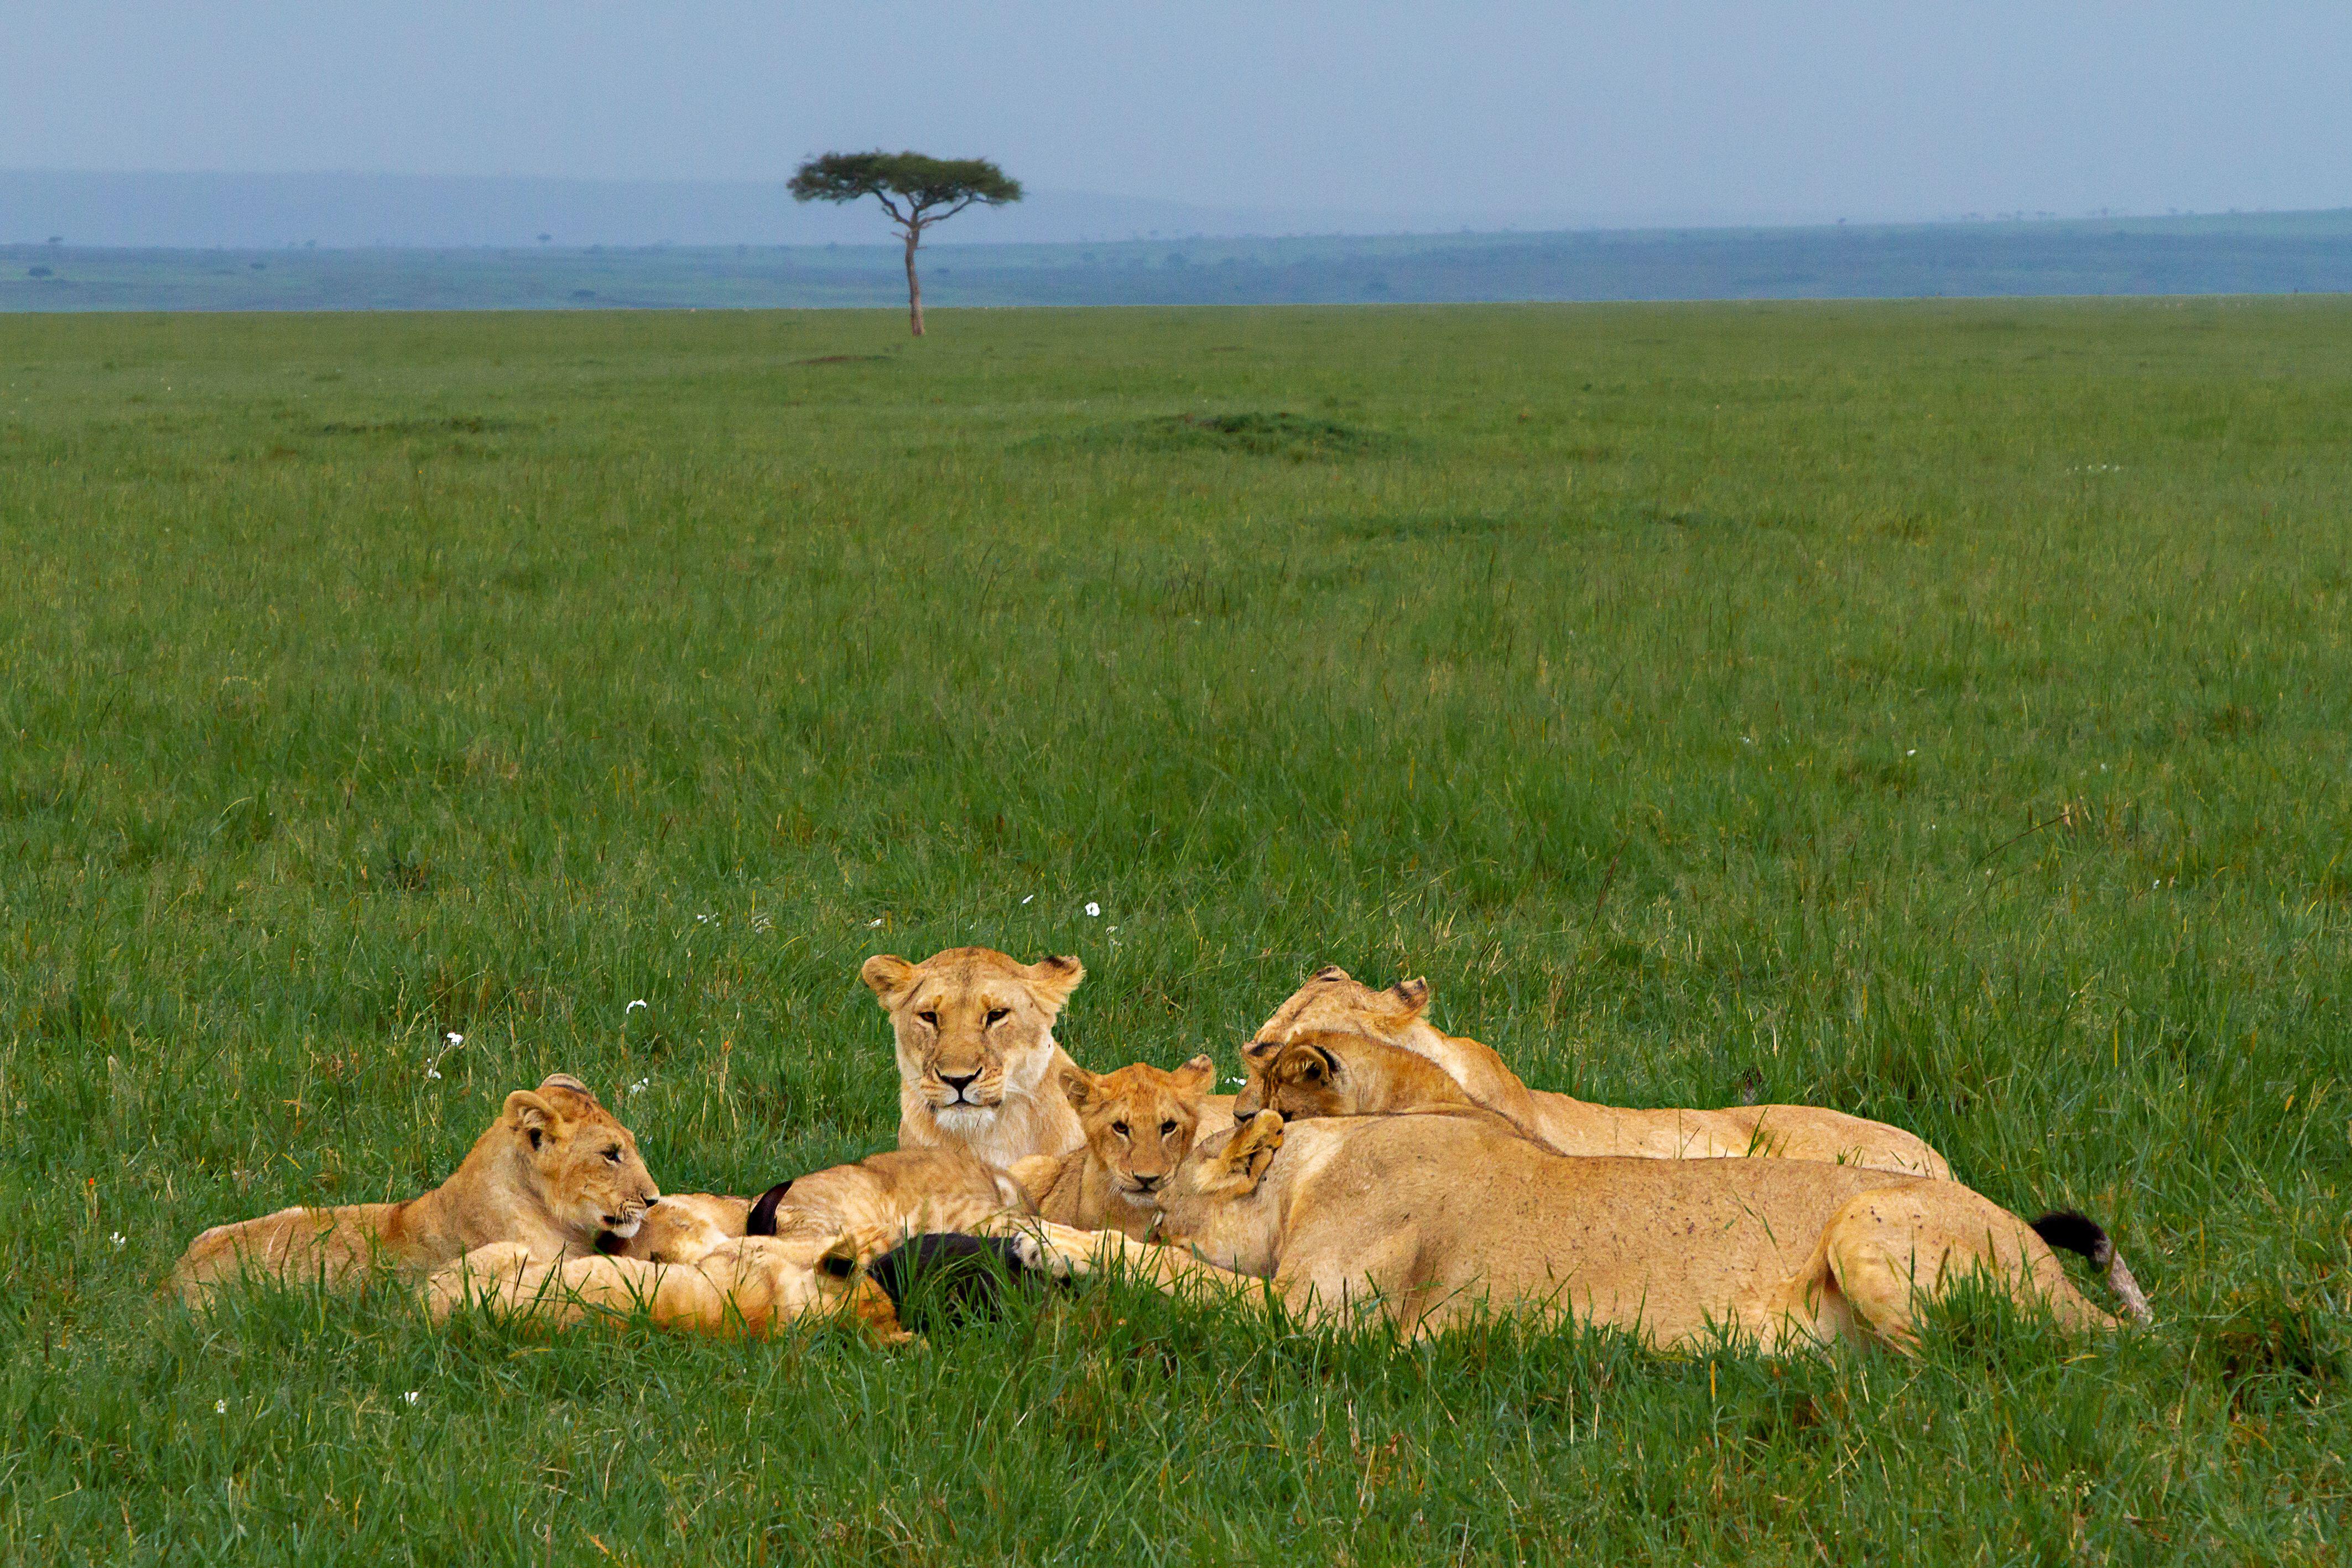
x: 914, y: 286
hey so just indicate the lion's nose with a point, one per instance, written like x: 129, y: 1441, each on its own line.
x: 1147, y: 1183
x: 956, y: 1085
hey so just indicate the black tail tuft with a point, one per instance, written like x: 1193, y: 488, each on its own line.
x: 762, y: 1218
x: 2077, y: 1233
x: 944, y: 1279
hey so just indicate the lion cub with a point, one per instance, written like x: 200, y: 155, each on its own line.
x: 1139, y: 1124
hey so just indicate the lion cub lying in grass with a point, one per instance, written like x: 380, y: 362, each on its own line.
x: 730, y: 1266
x: 1139, y: 1124
x: 1333, y: 1004
x: 1425, y: 1220
x: 551, y: 1175
x: 748, y: 1287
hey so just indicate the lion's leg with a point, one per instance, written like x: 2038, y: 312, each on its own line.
x: 1068, y: 1253
x: 1892, y: 1250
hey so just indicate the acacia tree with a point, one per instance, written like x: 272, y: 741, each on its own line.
x: 916, y: 190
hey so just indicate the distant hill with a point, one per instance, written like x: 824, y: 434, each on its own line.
x: 2256, y: 254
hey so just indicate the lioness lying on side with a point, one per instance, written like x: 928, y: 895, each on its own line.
x: 885, y: 1196
x: 1139, y: 1124
x: 1331, y: 1003
x: 552, y: 1173
x: 749, y: 1285
x: 1424, y: 1220
x: 883, y: 1199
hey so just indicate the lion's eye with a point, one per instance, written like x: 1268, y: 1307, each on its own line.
x: 1166, y: 1128
x: 1119, y: 1127
x: 614, y: 1153
x: 929, y: 1018
x: 998, y: 1015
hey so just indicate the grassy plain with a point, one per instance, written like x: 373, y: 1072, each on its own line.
x: 1938, y: 711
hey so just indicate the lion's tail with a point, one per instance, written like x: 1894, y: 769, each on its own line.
x: 2078, y: 1233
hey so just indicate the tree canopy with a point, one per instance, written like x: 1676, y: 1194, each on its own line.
x: 917, y: 191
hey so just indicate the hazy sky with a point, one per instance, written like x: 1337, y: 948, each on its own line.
x: 1481, y: 109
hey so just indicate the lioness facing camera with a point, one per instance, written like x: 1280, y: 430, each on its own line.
x: 976, y: 1052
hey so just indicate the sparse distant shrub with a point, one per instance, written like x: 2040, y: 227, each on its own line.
x: 37, y: 272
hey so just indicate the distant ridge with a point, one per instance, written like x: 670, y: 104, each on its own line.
x: 2259, y: 254
x: 339, y: 211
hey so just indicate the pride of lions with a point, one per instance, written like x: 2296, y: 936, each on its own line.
x: 1371, y: 1166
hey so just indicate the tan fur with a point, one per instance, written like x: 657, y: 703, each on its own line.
x: 748, y: 1287
x: 973, y: 1014
x: 1331, y: 1003
x: 682, y: 1228
x: 1139, y: 1124
x: 883, y: 1199
x: 1422, y: 1222
x: 539, y: 1177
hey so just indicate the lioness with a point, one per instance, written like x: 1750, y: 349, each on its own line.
x: 1332, y: 1003
x: 553, y: 1173
x: 1424, y: 1220
x: 749, y: 1285
x: 883, y: 1199
x: 976, y: 1052
x: 1139, y: 1124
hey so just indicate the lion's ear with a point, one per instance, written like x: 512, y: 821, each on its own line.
x: 888, y: 976
x: 1078, y: 1086
x: 1328, y: 972
x: 1305, y: 1064
x: 1413, y: 993
x: 1260, y: 1050
x: 839, y: 1262
x: 1254, y: 1145
x: 1053, y: 979
x: 533, y: 1117
x: 1192, y: 1079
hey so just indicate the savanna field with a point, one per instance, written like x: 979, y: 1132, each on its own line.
x: 1938, y: 711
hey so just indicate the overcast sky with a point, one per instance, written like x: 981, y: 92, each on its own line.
x: 1483, y: 111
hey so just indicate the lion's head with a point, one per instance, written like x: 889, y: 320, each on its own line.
x: 1321, y: 1072
x: 1305, y: 1078
x: 1206, y: 1204
x: 1139, y: 1121
x: 1333, y: 1001
x: 972, y: 1027
x: 578, y: 1163
x: 681, y: 1227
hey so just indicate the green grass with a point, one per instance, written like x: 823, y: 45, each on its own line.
x: 1935, y: 711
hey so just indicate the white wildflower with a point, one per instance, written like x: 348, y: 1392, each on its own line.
x: 454, y: 1039
x: 633, y: 1006
x: 220, y: 1406
x: 1026, y: 900
x: 639, y: 1086
x: 1093, y: 910
x: 410, y: 1398
x: 873, y: 923
x: 432, y: 1074
x: 119, y: 1239
x: 1913, y: 752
